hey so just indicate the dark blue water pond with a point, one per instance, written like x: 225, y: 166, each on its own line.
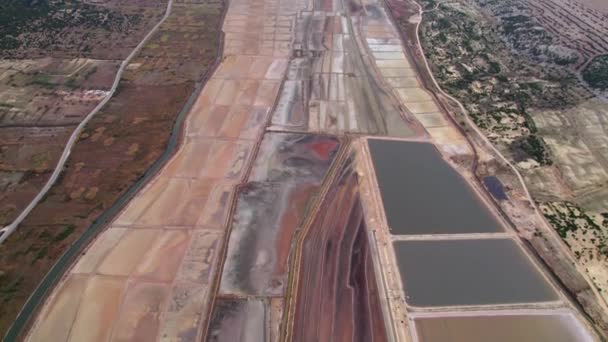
x: 495, y: 187
x: 423, y: 194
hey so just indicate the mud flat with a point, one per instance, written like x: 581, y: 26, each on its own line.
x: 469, y: 272
x: 238, y: 320
x: 423, y: 194
x: 502, y: 328
x: 337, y: 280
x: 287, y: 172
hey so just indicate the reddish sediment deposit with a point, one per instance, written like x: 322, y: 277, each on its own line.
x: 336, y: 275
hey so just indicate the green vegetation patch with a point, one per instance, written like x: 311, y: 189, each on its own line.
x: 534, y: 146
x: 12, y: 287
x: 468, y: 58
x: 42, y: 252
x: 50, y: 17
x: 568, y: 219
x: 596, y: 73
x: 67, y: 230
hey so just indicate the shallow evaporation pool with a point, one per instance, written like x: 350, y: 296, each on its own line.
x: 423, y: 194
x: 495, y: 188
x: 441, y: 273
x: 238, y: 320
x: 502, y: 328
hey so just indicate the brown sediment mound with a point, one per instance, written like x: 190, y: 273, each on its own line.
x: 337, y: 296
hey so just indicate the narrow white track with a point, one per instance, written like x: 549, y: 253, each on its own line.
x: 9, y: 229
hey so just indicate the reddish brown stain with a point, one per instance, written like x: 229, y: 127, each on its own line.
x: 337, y: 281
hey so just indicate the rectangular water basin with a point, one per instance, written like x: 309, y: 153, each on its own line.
x: 423, y: 194
x: 469, y: 272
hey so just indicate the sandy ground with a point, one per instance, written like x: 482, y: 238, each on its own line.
x: 41, y: 102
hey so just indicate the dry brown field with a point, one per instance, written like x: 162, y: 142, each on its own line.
x: 578, y: 24
x: 47, y: 86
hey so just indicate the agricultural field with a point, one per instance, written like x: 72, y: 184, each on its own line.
x: 562, y: 32
x: 58, y: 60
x: 113, y: 151
x: 522, y: 70
x: 41, y: 102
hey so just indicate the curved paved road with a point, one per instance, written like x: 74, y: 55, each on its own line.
x: 9, y: 229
